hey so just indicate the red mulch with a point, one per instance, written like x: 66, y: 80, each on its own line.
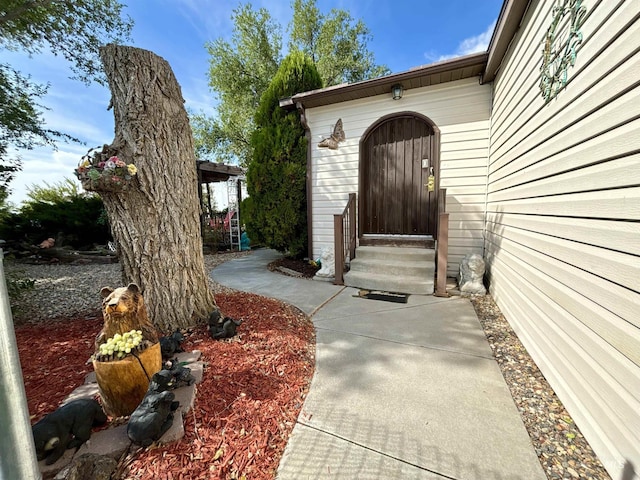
x: 246, y: 405
x: 54, y: 360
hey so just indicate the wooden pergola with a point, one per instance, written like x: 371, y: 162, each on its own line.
x: 211, y: 172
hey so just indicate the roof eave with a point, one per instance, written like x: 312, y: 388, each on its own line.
x: 507, y: 25
x: 472, y: 64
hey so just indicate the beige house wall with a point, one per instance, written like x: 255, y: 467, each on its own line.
x: 563, y: 220
x: 461, y: 111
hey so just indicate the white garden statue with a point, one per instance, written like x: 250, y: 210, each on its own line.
x: 327, y: 264
x: 471, y: 275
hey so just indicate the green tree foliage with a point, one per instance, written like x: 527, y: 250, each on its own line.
x: 240, y: 70
x: 74, y: 29
x: 336, y: 43
x: 276, y: 177
x: 54, y: 210
x: 5, y: 206
x: 21, y: 123
x: 56, y: 192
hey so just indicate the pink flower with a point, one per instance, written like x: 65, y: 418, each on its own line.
x: 120, y: 163
x: 101, y: 164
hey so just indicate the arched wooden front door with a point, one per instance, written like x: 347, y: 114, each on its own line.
x: 397, y: 154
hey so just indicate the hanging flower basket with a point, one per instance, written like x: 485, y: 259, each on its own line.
x: 110, y: 175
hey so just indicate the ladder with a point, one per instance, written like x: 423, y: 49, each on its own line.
x: 233, y: 187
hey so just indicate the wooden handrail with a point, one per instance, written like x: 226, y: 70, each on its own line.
x: 344, y: 232
x: 442, y: 252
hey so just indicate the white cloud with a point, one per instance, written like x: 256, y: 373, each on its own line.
x: 475, y: 44
x: 210, y: 19
x: 43, y: 165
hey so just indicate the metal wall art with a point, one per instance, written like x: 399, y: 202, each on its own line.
x: 336, y: 137
x: 560, y: 46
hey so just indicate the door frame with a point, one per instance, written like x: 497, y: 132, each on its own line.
x: 434, y: 156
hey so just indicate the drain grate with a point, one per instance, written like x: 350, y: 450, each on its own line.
x: 384, y: 296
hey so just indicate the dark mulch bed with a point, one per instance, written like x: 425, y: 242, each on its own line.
x: 303, y: 267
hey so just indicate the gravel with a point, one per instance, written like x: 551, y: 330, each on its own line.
x: 562, y: 450
x: 64, y: 290
x: 73, y: 290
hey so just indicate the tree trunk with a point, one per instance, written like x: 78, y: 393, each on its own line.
x: 156, y: 220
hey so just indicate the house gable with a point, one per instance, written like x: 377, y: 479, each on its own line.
x: 459, y: 109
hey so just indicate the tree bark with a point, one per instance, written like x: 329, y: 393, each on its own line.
x: 156, y: 221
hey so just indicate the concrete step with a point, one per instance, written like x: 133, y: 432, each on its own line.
x: 392, y: 269
x: 389, y: 283
x: 407, y: 254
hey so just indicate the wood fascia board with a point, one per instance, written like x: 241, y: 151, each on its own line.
x: 219, y: 168
x: 508, y: 23
x: 367, y: 88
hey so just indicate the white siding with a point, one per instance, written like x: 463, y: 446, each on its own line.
x: 461, y: 111
x: 563, y: 220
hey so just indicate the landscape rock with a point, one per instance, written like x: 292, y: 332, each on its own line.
x: 89, y: 466
x: 111, y: 442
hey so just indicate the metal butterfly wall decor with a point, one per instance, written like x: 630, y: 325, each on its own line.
x: 336, y: 137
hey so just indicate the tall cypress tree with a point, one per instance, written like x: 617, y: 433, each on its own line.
x: 276, y: 214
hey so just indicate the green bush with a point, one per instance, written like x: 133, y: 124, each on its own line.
x: 78, y: 219
x: 276, y: 177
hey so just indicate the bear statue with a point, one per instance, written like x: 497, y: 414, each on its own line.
x: 123, y: 380
x: 67, y: 427
x: 170, y: 345
x: 123, y: 310
x: 180, y: 375
x: 222, y: 327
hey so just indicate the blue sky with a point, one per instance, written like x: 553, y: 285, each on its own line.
x: 406, y: 34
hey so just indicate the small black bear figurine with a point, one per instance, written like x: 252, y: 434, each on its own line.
x: 67, y: 427
x: 161, y: 381
x: 170, y: 345
x: 222, y: 327
x: 154, y: 415
x: 181, y: 375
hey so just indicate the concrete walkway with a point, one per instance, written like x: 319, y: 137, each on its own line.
x: 400, y: 391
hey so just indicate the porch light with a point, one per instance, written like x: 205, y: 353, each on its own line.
x: 397, y: 90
